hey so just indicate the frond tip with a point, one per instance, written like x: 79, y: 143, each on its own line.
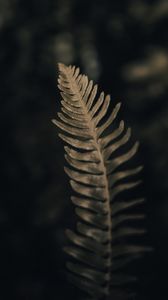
x: 97, y: 178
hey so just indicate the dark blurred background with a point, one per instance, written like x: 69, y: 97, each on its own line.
x: 123, y: 46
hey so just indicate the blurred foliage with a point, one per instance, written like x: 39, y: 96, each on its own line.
x: 123, y: 46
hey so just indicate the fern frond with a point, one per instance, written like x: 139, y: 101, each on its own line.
x: 96, y: 181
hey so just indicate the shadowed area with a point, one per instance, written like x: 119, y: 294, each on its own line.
x: 121, y: 45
